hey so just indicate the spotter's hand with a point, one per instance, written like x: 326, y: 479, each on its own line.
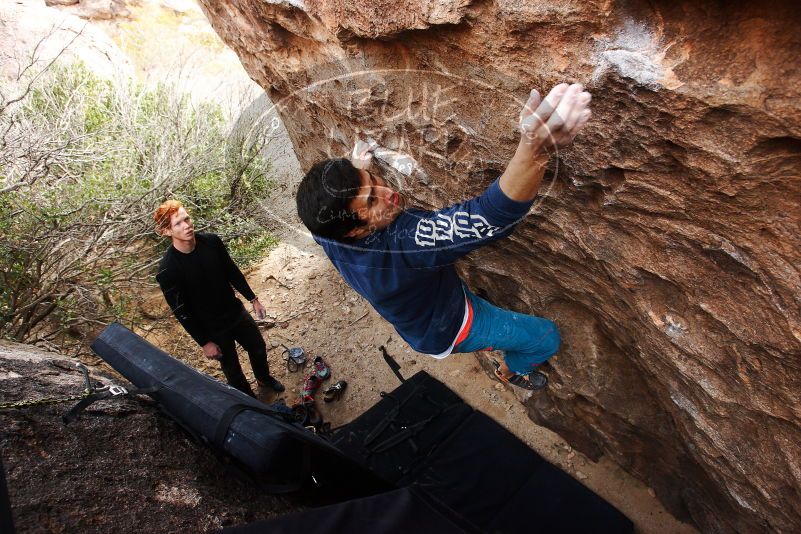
x: 258, y: 309
x: 212, y: 351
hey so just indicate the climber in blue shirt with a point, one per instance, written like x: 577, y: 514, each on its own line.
x: 402, y: 260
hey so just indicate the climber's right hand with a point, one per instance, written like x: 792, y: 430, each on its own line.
x: 554, y: 121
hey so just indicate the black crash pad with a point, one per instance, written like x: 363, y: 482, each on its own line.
x: 273, y: 451
x: 401, y: 511
x: 466, y: 461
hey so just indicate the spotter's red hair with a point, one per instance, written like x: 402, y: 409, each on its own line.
x: 164, y: 214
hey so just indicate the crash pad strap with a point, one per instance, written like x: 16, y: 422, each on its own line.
x: 225, y: 423
x: 71, y: 415
x: 235, y: 409
x: 395, y: 366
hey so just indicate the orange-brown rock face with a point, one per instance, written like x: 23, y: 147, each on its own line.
x: 666, y: 241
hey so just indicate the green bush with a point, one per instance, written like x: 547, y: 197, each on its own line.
x: 84, y: 163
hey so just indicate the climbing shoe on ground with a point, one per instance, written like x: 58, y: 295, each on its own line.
x: 300, y: 413
x: 314, y: 417
x: 307, y: 414
x: 321, y: 368
x: 334, y: 392
x: 272, y: 383
x: 310, y: 387
x: 295, y: 358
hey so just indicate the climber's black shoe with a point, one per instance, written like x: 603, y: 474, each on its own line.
x: 273, y: 384
x: 532, y: 381
x: 537, y: 379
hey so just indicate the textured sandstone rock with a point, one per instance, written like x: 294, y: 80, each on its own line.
x: 666, y: 242
x: 31, y: 29
x: 95, y: 9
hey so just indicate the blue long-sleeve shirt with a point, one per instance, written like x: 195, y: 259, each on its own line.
x: 406, y: 270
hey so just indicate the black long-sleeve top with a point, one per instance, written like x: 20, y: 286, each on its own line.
x: 199, y: 287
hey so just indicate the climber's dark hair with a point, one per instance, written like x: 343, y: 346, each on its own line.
x: 323, y: 197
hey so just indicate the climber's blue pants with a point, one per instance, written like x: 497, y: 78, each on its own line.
x: 526, y: 340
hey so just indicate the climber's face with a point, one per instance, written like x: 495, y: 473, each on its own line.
x: 376, y: 203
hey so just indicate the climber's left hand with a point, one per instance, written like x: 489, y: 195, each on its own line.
x: 361, y: 155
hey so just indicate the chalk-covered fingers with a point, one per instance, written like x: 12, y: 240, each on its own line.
x: 569, y: 117
x: 530, y: 106
x: 583, y: 116
x: 362, y: 154
x: 580, y: 102
x: 534, y: 126
x: 558, y: 121
x: 577, y: 117
x: 582, y: 120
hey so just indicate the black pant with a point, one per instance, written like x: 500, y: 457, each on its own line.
x: 247, y: 334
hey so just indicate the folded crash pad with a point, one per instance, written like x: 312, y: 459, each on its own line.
x: 265, y: 444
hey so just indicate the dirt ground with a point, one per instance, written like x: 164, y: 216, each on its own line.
x: 309, y: 305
